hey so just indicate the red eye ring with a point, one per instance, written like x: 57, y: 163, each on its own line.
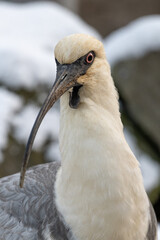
x: 90, y: 58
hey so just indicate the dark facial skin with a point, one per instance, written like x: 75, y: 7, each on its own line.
x: 75, y: 69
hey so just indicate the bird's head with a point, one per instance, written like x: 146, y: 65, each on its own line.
x: 79, y: 60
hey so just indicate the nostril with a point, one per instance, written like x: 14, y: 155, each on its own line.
x: 63, y: 77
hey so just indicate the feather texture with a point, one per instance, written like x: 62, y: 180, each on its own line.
x: 30, y: 212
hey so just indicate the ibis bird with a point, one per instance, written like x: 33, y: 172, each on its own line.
x: 97, y: 191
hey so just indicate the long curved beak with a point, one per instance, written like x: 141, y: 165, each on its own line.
x: 65, y: 79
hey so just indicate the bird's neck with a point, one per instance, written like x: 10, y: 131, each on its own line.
x: 95, y: 127
x: 98, y: 169
x: 91, y: 137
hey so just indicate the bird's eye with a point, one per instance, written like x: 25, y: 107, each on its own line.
x: 90, y: 58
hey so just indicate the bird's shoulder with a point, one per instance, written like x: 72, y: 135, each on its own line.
x: 38, y: 180
x: 28, y: 210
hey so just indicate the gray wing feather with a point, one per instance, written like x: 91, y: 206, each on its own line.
x: 152, y: 225
x: 26, y: 212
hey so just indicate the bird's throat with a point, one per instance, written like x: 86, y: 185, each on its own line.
x: 74, y: 98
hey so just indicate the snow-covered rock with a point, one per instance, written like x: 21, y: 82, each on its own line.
x: 23, y: 123
x: 134, y: 40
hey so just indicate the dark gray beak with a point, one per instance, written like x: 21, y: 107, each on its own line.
x: 65, y: 79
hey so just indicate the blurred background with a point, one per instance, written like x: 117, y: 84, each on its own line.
x: 130, y: 31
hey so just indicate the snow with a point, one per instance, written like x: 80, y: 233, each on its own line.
x: 29, y: 33
x: 10, y: 103
x: 133, y: 40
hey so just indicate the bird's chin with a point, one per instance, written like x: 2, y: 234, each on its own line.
x: 74, y: 98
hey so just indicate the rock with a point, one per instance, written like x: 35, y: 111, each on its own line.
x: 138, y: 82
